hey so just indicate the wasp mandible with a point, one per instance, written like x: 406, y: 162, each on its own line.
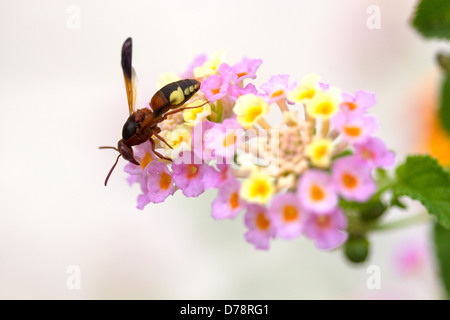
x: 142, y: 124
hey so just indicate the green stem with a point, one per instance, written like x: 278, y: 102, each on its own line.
x: 406, y: 222
x: 386, y: 187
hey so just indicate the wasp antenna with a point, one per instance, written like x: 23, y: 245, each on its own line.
x: 110, y: 171
x: 108, y: 147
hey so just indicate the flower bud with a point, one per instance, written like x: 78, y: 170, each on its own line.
x: 357, y: 249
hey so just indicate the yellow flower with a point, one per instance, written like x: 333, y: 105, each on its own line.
x: 257, y: 188
x: 209, y: 67
x: 324, y: 104
x: 194, y: 116
x: 306, y: 89
x: 179, y: 139
x: 319, y: 152
x: 167, y: 78
x: 249, y: 109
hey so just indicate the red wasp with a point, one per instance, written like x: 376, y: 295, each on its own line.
x: 142, y: 124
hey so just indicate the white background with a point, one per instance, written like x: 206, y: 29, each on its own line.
x: 62, y: 95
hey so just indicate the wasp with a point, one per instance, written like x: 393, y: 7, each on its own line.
x: 142, y: 124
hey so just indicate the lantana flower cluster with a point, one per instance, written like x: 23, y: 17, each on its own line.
x: 286, y: 178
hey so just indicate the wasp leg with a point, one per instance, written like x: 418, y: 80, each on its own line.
x: 182, y: 109
x: 162, y: 139
x: 156, y: 152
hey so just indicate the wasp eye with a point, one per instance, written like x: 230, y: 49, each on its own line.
x: 129, y: 128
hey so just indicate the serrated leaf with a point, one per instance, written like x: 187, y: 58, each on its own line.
x: 432, y: 18
x: 395, y: 202
x: 423, y: 179
x: 444, y: 111
x: 442, y: 248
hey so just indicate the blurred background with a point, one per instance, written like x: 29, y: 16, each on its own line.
x: 62, y: 95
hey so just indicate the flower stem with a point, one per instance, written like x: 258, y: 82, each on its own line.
x: 340, y: 147
x: 325, y: 128
x: 263, y: 123
x: 333, y: 134
x: 307, y: 117
x: 283, y: 106
x: 312, y: 128
x: 227, y: 109
x: 406, y: 222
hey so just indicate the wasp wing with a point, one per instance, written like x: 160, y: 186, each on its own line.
x: 129, y: 74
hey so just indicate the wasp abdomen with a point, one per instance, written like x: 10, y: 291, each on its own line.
x: 174, y: 95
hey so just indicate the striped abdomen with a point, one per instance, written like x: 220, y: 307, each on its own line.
x: 174, y: 95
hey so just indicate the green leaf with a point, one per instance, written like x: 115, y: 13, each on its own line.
x: 383, y: 180
x: 444, y: 61
x: 396, y: 202
x: 432, y: 19
x: 444, y: 111
x: 354, y: 206
x: 442, y: 248
x: 343, y: 154
x: 423, y: 179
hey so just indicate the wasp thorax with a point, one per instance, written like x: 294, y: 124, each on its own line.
x: 129, y: 128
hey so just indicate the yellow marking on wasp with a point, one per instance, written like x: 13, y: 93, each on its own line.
x: 191, y: 88
x: 176, y: 97
x: 196, y: 85
x: 186, y: 91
